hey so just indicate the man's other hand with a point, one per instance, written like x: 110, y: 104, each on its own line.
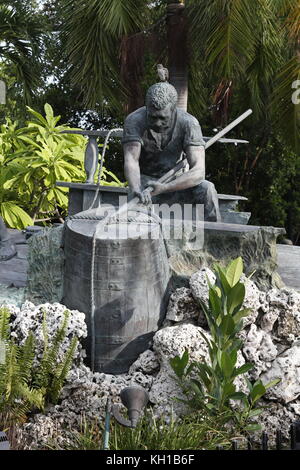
x: 144, y: 196
x: 158, y: 187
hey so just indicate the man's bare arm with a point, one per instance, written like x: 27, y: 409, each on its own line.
x: 132, y: 152
x: 196, y: 158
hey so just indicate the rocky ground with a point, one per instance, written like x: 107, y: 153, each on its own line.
x: 271, y: 341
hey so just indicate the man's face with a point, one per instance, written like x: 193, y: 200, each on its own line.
x: 160, y: 120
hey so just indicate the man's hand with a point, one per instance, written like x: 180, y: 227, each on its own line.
x: 158, y: 187
x: 144, y: 196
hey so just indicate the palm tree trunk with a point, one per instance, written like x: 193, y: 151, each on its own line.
x: 177, y: 50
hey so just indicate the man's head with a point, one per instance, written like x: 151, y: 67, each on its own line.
x: 161, y: 100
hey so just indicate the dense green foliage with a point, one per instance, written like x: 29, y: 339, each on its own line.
x: 211, y: 386
x: 28, y: 383
x: 33, y: 159
x: 92, y: 60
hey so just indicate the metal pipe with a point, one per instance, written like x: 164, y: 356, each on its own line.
x: 107, y: 425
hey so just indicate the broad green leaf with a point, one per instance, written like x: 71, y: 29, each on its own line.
x: 15, y: 216
x: 238, y: 396
x: 225, y: 286
x: 256, y: 412
x: 204, y: 375
x: 234, y: 271
x: 228, y: 390
x: 215, y: 303
x: 253, y: 427
x: 179, y: 364
x: 272, y: 383
x: 241, y: 314
x: 196, y: 389
x: 257, y: 391
x: 198, y: 386
x: 233, y: 356
x: 38, y: 116
x: 61, y: 198
x: 29, y: 141
x: 243, y: 369
x: 227, y: 325
x: 227, y: 364
x: 235, y: 297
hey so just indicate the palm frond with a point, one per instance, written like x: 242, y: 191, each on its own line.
x: 119, y: 17
x: 92, y: 32
x: 21, y: 36
x: 266, y: 59
x: 226, y: 32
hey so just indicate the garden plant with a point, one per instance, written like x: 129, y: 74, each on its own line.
x: 211, y: 386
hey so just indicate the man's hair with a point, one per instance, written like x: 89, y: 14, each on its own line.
x: 160, y: 95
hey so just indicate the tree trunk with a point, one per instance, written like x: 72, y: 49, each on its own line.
x: 177, y: 50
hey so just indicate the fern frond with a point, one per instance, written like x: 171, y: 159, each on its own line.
x: 35, y: 397
x: 12, y: 371
x: 4, y: 323
x: 48, y: 365
x: 62, y: 371
x: 57, y: 341
x: 26, y: 358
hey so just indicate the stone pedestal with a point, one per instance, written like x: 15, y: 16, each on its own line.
x: 223, y: 243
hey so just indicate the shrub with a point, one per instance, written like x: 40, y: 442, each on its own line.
x: 26, y: 383
x: 33, y: 158
x: 211, y: 386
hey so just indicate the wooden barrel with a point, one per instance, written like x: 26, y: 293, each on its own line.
x: 131, y: 276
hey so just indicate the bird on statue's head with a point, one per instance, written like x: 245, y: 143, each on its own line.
x: 163, y: 73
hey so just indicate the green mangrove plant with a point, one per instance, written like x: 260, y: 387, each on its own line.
x: 211, y: 387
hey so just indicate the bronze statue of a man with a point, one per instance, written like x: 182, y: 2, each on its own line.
x: 154, y: 139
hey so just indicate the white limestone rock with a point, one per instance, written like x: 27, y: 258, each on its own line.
x: 294, y: 408
x: 38, y: 432
x: 183, y: 308
x: 84, y: 395
x: 278, y: 297
x: 29, y: 318
x: 275, y: 417
x: 284, y: 307
x: 287, y: 367
x: 259, y: 349
x: 254, y: 300
x: 168, y: 343
x: 268, y: 320
x: 172, y: 341
x: 164, y: 394
x: 198, y: 284
x: 147, y: 363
